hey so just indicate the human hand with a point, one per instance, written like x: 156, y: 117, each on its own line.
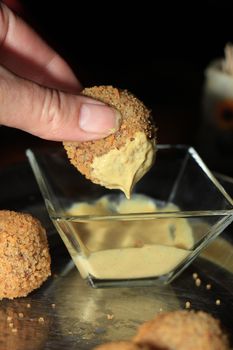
x: 39, y: 92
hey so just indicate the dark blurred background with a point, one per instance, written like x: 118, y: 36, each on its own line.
x: 157, y: 50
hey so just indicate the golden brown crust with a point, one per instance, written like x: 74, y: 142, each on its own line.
x: 182, y: 330
x: 135, y: 117
x: 24, y: 254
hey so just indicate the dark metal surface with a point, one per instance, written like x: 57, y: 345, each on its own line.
x: 83, y: 317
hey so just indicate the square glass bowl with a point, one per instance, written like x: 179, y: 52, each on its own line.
x: 176, y: 210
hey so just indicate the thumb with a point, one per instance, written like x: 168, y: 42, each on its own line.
x: 52, y: 114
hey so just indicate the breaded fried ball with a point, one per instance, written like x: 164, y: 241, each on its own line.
x: 121, y: 345
x: 24, y: 254
x: 119, y: 160
x: 182, y: 330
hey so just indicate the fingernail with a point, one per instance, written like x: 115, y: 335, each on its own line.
x: 99, y: 119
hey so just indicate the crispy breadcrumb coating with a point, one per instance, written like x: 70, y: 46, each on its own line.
x: 182, y: 330
x: 135, y: 118
x: 24, y: 254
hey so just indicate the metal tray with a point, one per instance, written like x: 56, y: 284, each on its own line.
x: 66, y: 313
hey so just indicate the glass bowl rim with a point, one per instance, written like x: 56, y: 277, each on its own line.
x: 59, y: 216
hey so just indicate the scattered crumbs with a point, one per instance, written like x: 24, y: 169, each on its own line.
x: 198, y: 282
x: 14, y: 330
x: 208, y: 286
x: 21, y: 315
x: 110, y: 317
x: 187, y: 305
x: 41, y: 319
x: 53, y: 306
x: 11, y: 324
x: 28, y: 306
x: 218, y: 302
x: 160, y: 310
x: 9, y: 319
x: 195, y: 275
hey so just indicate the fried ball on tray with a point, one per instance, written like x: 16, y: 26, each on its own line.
x: 24, y: 254
x: 182, y: 330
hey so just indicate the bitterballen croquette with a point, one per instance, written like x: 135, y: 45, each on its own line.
x: 24, y: 254
x: 121, y: 159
